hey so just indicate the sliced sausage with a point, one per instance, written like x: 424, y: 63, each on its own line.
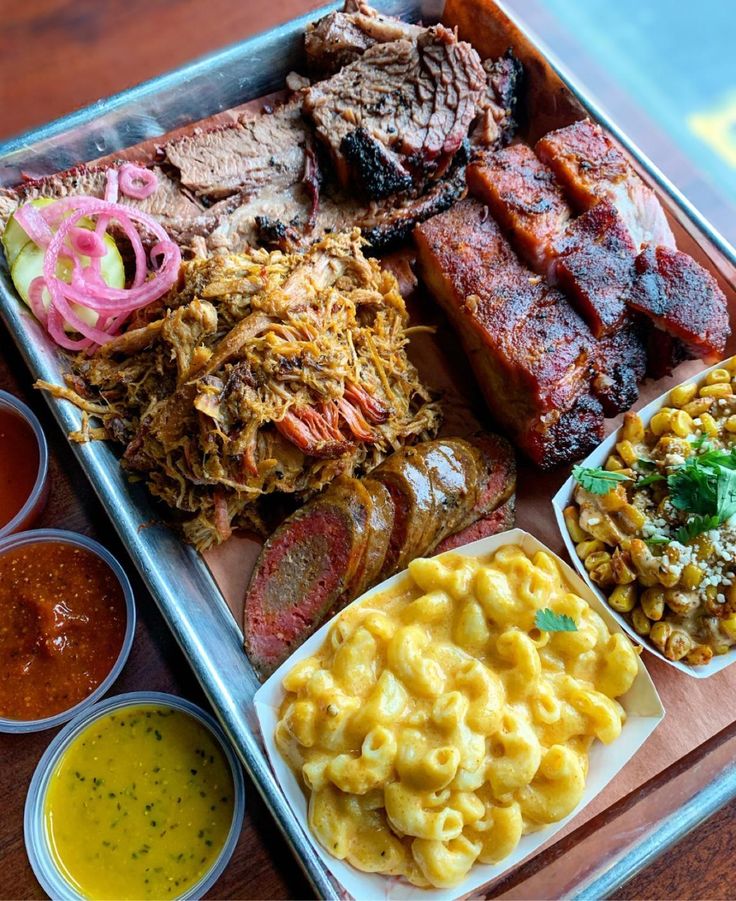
x: 302, y: 570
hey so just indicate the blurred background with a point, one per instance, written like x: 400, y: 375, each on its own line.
x: 664, y: 69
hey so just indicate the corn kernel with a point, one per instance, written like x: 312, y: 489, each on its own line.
x: 660, y: 422
x: 718, y: 375
x: 708, y: 425
x: 728, y: 626
x: 595, y: 559
x: 681, y: 424
x: 614, y: 500
x: 627, y: 453
x: 700, y: 655
x: 731, y: 424
x: 678, y: 644
x: 659, y: 634
x: 602, y: 574
x: 623, y: 598
x: 572, y: 521
x: 648, y: 579
x: 590, y: 546
x: 704, y: 549
x: 682, y: 395
x: 718, y: 391
x: 691, y: 577
x: 681, y: 602
x: 623, y: 574
x: 652, y: 603
x: 641, y: 622
x: 698, y: 406
x: 730, y: 364
x: 730, y: 593
x: 631, y: 518
x: 614, y: 463
x: 633, y: 428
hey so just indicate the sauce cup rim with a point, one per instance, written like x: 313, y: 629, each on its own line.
x: 9, y: 400
x: 37, y: 536
x: 36, y: 839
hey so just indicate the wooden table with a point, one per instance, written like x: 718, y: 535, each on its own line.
x: 56, y: 56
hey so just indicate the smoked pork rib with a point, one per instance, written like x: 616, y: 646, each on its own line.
x: 530, y: 350
x: 592, y: 169
x: 682, y: 299
x: 620, y: 364
x: 595, y: 267
x: 524, y: 198
x: 591, y: 257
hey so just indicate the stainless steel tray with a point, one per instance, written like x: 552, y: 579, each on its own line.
x: 176, y: 576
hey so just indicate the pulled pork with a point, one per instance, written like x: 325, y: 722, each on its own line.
x: 261, y: 373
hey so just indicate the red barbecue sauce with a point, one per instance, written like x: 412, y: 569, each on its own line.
x: 62, y: 624
x: 18, y: 463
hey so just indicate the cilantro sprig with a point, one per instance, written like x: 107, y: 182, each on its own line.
x: 598, y: 481
x: 548, y: 621
x: 704, y: 487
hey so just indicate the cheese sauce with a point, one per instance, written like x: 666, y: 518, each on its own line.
x: 140, y: 805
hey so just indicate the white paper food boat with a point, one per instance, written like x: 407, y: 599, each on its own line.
x: 564, y: 498
x: 642, y: 704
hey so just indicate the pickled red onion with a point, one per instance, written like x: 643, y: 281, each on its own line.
x: 137, y: 182
x: 35, y: 299
x: 87, y: 243
x: 34, y: 224
x: 151, y: 280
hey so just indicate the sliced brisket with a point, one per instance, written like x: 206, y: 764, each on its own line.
x: 500, y: 105
x: 261, y: 151
x: 339, y: 38
x: 399, y: 113
x: 179, y: 213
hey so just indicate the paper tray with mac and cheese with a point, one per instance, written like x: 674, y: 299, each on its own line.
x: 643, y: 713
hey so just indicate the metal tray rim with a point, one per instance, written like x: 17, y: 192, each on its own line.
x: 131, y: 519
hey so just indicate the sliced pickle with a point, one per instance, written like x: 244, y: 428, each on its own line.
x: 14, y: 237
x: 29, y: 264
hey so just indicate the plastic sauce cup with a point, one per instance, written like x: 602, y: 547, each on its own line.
x: 33, y: 507
x: 12, y: 542
x: 36, y: 838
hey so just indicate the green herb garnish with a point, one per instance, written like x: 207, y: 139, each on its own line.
x: 598, y: 481
x: 695, y: 526
x: 704, y: 486
x: 548, y: 621
x: 656, y: 540
x: 650, y: 480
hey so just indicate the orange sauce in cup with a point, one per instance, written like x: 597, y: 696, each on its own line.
x: 62, y: 625
x: 19, y: 461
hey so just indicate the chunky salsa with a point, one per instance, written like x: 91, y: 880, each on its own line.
x: 19, y: 460
x: 62, y: 625
x: 140, y: 805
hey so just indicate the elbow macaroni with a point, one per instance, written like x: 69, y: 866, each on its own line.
x: 437, y: 724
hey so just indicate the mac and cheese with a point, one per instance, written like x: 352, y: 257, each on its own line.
x: 438, y: 724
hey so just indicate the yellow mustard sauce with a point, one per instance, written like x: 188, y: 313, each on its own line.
x: 139, y: 805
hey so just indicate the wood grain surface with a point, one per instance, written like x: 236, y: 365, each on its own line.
x: 59, y: 55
